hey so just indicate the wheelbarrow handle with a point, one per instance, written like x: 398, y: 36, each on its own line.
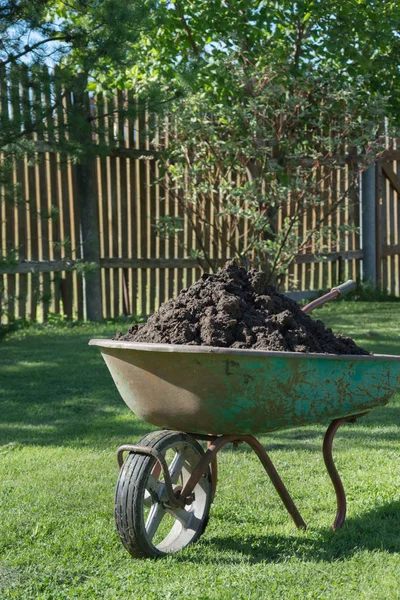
x: 340, y: 290
x: 345, y: 288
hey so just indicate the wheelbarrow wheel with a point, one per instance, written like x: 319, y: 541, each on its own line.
x: 147, y: 525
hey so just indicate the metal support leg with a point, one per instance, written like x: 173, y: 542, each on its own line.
x: 214, y: 474
x: 333, y: 473
x: 277, y: 481
x: 213, y: 448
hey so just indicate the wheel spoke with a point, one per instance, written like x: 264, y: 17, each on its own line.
x: 154, y: 519
x: 152, y: 485
x: 147, y: 500
x: 185, y: 517
x: 176, y: 466
x: 156, y: 470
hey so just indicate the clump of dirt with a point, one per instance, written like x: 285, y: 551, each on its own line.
x: 235, y: 308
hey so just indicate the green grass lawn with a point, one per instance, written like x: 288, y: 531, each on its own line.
x: 61, y: 421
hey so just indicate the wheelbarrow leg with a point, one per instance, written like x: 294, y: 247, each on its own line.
x: 276, y: 481
x: 214, y: 474
x: 219, y: 442
x: 333, y: 473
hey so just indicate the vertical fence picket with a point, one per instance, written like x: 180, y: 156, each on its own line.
x: 115, y: 208
x: 33, y: 209
x: 180, y: 237
x: 378, y: 208
x: 64, y: 193
x: 30, y: 308
x: 307, y: 266
x: 102, y: 178
x: 16, y: 101
x: 123, y: 192
x: 357, y: 222
x: 132, y: 200
x: 42, y: 192
x: 151, y: 208
x: 142, y: 164
x: 138, y: 210
x: 160, y: 212
x: 3, y: 241
x: 383, y: 235
x: 391, y: 240
x: 10, y: 212
x: 54, y: 207
x: 396, y: 226
x: 169, y: 210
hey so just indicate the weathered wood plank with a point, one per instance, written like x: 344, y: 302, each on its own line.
x: 41, y: 146
x: 64, y: 194
x: 17, y: 105
x: 396, y: 239
x: 53, y: 195
x: 391, y: 155
x: 77, y: 282
x: 102, y: 182
x: 144, y: 215
x: 87, y: 201
x: 48, y: 266
x: 391, y: 239
x: 9, y: 216
x: 132, y: 205
x: 391, y: 175
x: 379, y: 239
x: 329, y: 256
x: 123, y: 198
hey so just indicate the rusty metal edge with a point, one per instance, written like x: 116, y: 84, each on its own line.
x: 183, y: 349
x: 148, y: 451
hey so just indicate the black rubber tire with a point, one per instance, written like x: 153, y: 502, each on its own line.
x: 130, y: 489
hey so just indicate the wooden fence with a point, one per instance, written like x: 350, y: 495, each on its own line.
x: 102, y: 210
x: 388, y: 222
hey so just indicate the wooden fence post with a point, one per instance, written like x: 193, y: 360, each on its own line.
x: 86, y: 183
x: 369, y: 241
x: 379, y: 232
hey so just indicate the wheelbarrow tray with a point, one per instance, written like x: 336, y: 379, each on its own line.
x: 204, y: 390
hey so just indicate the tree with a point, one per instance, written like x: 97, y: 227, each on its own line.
x: 86, y: 39
x: 261, y: 158
x: 353, y: 39
x: 348, y: 50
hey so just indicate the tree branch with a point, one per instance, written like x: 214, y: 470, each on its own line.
x: 186, y: 28
x: 27, y: 49
x: 302, y: 32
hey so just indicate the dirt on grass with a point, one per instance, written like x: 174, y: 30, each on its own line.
x: 235, y: 308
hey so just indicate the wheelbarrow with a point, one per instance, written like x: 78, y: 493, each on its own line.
x: 220, y: 396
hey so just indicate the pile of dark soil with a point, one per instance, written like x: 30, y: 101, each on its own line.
x: 235, y: 308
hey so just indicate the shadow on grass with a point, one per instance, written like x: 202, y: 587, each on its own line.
x: 380, y: 425
x: 58, y: 391
x: 376, y: 530
x: 378, y: 429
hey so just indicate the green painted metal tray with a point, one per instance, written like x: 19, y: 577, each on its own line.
x: 229, y: 391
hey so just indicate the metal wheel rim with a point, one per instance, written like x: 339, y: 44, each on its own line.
x: 186, y: 521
